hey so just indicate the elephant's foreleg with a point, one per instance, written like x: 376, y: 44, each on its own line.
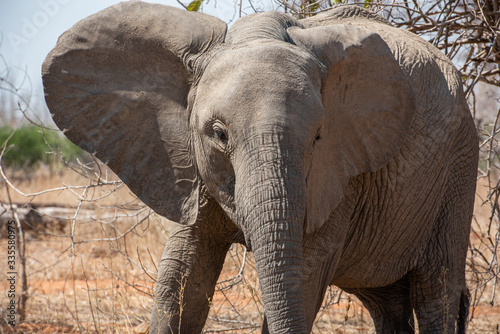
x: 187, y: 275
x: 389, y: 306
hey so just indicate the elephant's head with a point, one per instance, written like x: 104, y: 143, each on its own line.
x: 270, y: 118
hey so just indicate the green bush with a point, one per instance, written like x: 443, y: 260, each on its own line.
x: 27, y: 147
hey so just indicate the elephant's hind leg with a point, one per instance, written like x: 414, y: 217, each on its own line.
x: 441, y: 300
x: 438, y: 288
x: 389, y: 306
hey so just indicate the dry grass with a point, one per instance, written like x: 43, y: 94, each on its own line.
x: 89, y: 286
x: 81, y: 286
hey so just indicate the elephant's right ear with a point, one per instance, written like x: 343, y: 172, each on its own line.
x: 117, y: 84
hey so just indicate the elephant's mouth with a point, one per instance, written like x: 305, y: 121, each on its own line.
x: 225, y: 197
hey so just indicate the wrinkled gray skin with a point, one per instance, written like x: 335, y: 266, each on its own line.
x: 337, y: 148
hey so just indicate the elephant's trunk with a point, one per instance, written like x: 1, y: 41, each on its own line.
x: 273, y: 224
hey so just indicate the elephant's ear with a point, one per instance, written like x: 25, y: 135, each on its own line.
x: 368, y: 109
x: 117, y: 84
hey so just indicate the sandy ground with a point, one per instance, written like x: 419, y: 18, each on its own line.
x: 96, y: 273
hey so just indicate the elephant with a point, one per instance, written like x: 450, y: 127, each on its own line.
x: 337, y: 148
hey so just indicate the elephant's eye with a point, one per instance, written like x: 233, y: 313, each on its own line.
x: 221, y: 133
x: 318, y: 135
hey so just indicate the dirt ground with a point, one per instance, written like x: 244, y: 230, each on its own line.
x: 94, y: 270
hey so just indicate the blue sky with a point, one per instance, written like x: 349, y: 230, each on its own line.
x: 29, y: 30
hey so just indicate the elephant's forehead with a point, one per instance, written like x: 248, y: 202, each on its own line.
x: 264, y: 69
x: 270, y: 81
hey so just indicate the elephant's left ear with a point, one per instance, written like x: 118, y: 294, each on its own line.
x: 368, y: 109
